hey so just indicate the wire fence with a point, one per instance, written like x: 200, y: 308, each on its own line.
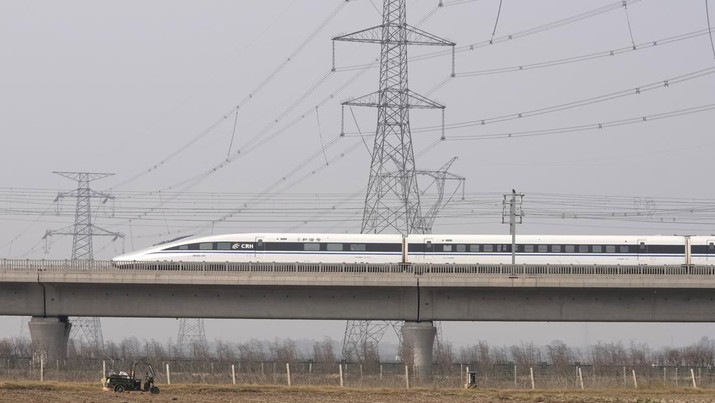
x: 390, y: 375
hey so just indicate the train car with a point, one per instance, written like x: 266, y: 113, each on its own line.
x: 279, y: 248
x: 548, y: 249
x: 702, y: 250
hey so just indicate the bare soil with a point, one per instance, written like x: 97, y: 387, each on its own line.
x: 26, y: 392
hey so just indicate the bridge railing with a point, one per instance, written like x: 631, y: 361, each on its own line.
x: 9, y: 265
x: 506, y: 270
x: 565, y: 270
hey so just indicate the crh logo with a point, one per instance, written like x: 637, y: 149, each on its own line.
x: 239, y: 246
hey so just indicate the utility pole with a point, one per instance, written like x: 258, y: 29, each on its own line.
x: 392, y: 200
x: 513, y: 202
x: 88, y: 330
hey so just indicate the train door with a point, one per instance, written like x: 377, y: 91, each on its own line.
x: 428, y: 249
x: 642, y: 250
x: 259, y: 247
x: 710, y: 250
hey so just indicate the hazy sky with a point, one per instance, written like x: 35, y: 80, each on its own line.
x: 148, y: 91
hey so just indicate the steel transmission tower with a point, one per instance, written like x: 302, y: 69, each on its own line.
x: 88, y: 330
x: 392, y: 201
x: 192, y: 338
x: 439, y: 180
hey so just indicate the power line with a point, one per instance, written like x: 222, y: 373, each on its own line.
x: 586, y: 57
x: 587, y: 127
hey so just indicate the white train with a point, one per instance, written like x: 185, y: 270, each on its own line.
x: 439, y: 249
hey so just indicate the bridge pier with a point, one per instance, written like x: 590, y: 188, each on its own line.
x: 418, y: 337
x: 51, y: 336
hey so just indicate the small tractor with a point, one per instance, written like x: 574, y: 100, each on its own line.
x: 127, y: 382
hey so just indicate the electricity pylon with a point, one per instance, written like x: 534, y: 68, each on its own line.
x: 392, y: 201
x: 439, y: 180
x: 86, y: 329
x: 191, y: 341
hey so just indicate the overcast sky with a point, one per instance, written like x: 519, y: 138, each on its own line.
x: 149, y: 91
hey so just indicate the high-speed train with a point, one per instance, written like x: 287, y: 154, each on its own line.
x: 438, y: 249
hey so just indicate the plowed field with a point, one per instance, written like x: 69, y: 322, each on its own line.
x: 78, y: 392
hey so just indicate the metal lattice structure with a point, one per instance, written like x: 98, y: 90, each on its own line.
x: 439, y: 177
x: 86, y: 330
x: 191, y: 341
x: 392, y: 201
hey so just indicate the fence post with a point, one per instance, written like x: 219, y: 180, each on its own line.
x: 466, y: 378
x: 635, y: 380
x: 42, y: 369
x: 233, y: 373
x: 625, y: 383
x: 340, y: 367
x: 380, y: 372
x: 104, y: 372
x: 168, y: 374
x: 288, y: 372
x: 515, y: 384
x: 676, y: 377
x: 531, y: 372
x: 580, y: 377
x: 692, y: 375
x: 407, y: 376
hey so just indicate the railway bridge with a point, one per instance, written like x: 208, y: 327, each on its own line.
x: 52, y: 290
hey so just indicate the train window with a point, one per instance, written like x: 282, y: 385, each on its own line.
x: 206, y: 246
x: 183, y: 247
x: 711, y: 246
x: 474, y: 248
x: 570, y: 248
x: 447, y: 248
x: 358, y: 247
x: 583, y: 249
x: 335, y: 247
x: 641, y: 246
x: 311, y: 246
x: 542, y: 248
x: 610, y: 248
x: 556, y: 248
x: 623, y: 249
x: 597, y: 248
x: 529, y: 248
x: 223, y: 245
x: 461, y: 248
x: 488, y: 248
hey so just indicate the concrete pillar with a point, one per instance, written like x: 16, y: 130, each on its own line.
x: 50, y: 335
x: 419, y: 337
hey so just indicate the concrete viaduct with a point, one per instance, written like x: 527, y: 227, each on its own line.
x: 50, y: 291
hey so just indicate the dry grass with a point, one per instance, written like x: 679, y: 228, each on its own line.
x: 91, y: 392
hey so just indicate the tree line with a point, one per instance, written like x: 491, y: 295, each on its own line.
x: 557, y: 354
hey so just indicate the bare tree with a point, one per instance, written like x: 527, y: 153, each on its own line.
x: 560, y: 356
x: 284, y: 351
x: 224, y: 351
x: 252, y: 351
